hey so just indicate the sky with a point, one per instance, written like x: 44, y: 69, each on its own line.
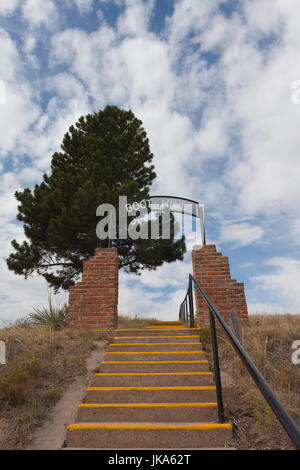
x: 217, y: 87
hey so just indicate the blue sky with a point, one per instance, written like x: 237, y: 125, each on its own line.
x: 215, y: 84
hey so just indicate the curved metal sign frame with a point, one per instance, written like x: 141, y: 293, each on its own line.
x: 174, y: 203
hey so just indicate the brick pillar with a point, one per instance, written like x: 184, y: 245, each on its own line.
x: 93, y: 301
x: 212, y: 272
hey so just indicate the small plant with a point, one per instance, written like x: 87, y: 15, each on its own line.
x: 23, y: 322
x: 52, y: 396
x: 15, y: 387
x: 262, y: 412
x: 79, y: 364
x: 205, y: 335
x: 35, y: 367
x: 53, y: 316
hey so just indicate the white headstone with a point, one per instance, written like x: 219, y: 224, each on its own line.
x: 2, y: 353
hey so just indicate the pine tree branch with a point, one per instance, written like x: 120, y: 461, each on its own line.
x: 55, y: 264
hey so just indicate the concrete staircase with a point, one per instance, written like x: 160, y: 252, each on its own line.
x: 154, y: 391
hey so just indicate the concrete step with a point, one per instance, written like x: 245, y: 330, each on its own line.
x: 200, y: 365
x: 154, y: 346
x: 158, y: 338
x: 162, y: 327
x: 147, y: 412
x: 156, y: 332
x: 179, y: 394
x: 149, y: 379
x: 120, y: 449
x: 113, y: 356
x: 154, y: 390
x: 148, y: 436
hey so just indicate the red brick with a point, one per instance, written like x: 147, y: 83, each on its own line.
x: 93, y: 301
x: 212, y: 272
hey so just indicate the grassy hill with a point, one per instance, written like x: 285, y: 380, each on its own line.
x: 42, y: 361
x: 268, y: 341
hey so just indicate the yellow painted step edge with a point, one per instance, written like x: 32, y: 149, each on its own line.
x: 147, y: 405
x: 154, y: 362
x: 148, y: 329
x: 155, y: 373
x: 186, y: 388
x: 155, y: 352
x: 202, y: 426
x: 171, y: 328
x: 152, y: 344
x: 155, y: 337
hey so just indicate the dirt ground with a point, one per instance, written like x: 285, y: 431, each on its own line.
x: 51, y: 435
x: 267, y: 339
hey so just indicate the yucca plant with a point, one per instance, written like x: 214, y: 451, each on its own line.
x: 54, y: 316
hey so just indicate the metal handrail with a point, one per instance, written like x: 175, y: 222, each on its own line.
x: 280, y: 412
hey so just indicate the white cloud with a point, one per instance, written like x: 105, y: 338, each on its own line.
x: 92, y: 58
x: 190, y: 17
x: 171, y: 138
x: 20, y: 109
x: 169, y: 274
x: 262, y: 15
x: 156, y: 293
x: 9, y: 183
x: 264, y: 308
x: 247, y: 111
x: 241, y: 234
x: 28, y: 131
x: 84, y: 6
x: 7, y: 7
x: 247, y: 265
x: 213, y: 137
x: 265, y: 177
x: 29, y: 43
x: 40, y: 12
x: 214, y: 94
x: 136, y: 72
x: 147, y: 69
x: 16, y: 116
x: 283, y: 282
x: 20, y: 296
x: 136, y: 301
x: 116, y: 2
x: 135, y: 18
x: 69, y: 102
x: 295, y: 231
x: 10, y: 63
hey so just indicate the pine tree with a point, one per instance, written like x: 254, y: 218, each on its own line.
x: 104, y: 156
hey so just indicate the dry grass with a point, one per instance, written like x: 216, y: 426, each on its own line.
x: 136, y: 322
x: 41, y: 363
x: 268, y: 341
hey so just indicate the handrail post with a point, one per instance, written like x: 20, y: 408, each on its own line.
x: 186, y: 310
x: 282, y: 415
x: 216, y: 367
x: 191, y: 304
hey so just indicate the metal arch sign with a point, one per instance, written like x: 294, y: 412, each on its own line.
x: 174, y: 204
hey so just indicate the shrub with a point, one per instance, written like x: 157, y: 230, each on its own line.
x: 53, y: 316
x: 15, y: 387
x: 52, y: 396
